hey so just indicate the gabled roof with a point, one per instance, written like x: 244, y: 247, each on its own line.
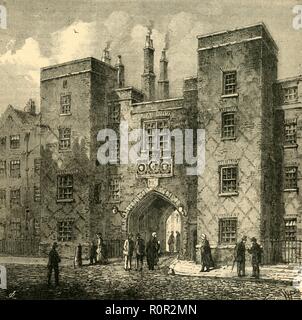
x: 24, y: 119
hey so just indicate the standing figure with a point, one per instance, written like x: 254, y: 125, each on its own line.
x: 256, y: 252
x: 100, y: 251
x: 239, y: 257
x: 78, y: 262
x: 53, y: 264
x: 177, y: 242
x: 128, y: 252
x: 140, y: 252
x: 92, y: 253
x: 171, y: 241
x: 152, y: 251
x: 206, y: 256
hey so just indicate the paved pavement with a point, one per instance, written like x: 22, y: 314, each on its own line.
x: 112, y: 282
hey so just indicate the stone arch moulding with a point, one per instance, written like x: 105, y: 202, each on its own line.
x: 161, y: 192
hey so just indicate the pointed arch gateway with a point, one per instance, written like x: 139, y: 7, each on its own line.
x: 150, y: 211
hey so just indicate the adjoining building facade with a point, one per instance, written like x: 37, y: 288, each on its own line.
x: 235, y: 97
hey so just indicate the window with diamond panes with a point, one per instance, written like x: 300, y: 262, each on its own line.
x: 15, y: 141
x: 228, y: 179
x: 228, y: 125
x: 291, y: 229
x: 114, y: 189
x: 65, y: 230
x: 290, y: 178
x: 229, y: 82
x: 290, y: 94
x: 15, y: 168
x: 2, y: 168
x: 157, y: 139
x: 65, y: 187
x: 66, y: 104
x: 64, y: 138
x: 290, y: 133
x: 228, y: 231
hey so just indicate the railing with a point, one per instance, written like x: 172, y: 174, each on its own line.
x: 114, y: 248
x: 19, y: 247
x: 282, y: 251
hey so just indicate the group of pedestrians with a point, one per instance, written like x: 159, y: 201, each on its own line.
x: 239, y: 256
x: 138, y: 248
x: 174, y: 242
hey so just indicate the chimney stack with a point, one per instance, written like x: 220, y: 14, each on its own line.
x: 163, y: 82
x: 120, y: 72
x: 30, y: 107
x: 148, y: 77
x: 106, y: 56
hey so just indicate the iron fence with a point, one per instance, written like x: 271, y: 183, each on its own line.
x: 114, y: 248
x: 282, y: 251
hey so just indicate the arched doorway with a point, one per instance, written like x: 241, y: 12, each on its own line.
x: 155, y: 213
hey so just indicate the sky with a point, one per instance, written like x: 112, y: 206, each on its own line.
x: 45, y: 32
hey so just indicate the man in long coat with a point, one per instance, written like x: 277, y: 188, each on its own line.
x: 177, y: 242
x: 206, y: 256
x: 171, y: 241
x: 128, y: 252
x: 256, y: 252
x: 53, y: 264
x: 139, y: 252
x: 240, y: 257
x: 152, y: 251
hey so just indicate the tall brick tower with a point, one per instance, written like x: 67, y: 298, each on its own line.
x: 148, y: 77
x: 163, y: 82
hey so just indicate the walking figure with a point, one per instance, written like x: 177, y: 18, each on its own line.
x: 177, y: 242
x: 206, y: 256
x: 53, y: 264
x: 239, y: 257
x: 92, y: 253
x: 256, y: 252
x: 78, y: 262
x: 128, y: 252
x: 140, y: 252
x: 171, y: 241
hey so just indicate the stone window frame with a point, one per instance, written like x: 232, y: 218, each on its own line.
x: 15, y: 141
x: 234, y: 191
x: 114, y: 112
x: 15, y: 168
x: 65, y: 230
x: 228, y: 231
x: 2, y: 168
x: 290, y: 133
x: 224, y: 136
x: 290, y: 229
x: 291, y: 181
x: 229, y: 83
x: 290, y: 94
x: 64, y: 138
x: 15, y: 197
x: 65, y: 104
x: 37, y: 193
x: 2, y: 197
x: 65, y: 188
x: 114, y: 189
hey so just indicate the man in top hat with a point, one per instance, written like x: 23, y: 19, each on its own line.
x: 53, y: 264
x: 140, y: 252
x: 239, y: 257
x: 128, y: 252
x: 206, y: 256
x: 256, y: 252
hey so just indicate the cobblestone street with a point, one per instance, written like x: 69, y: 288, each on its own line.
x: 112, y: 282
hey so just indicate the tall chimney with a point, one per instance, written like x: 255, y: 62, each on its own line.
x: 106, y: 56
x: 148, y: 77
x: 163, y: 82
x: 120, y: 72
